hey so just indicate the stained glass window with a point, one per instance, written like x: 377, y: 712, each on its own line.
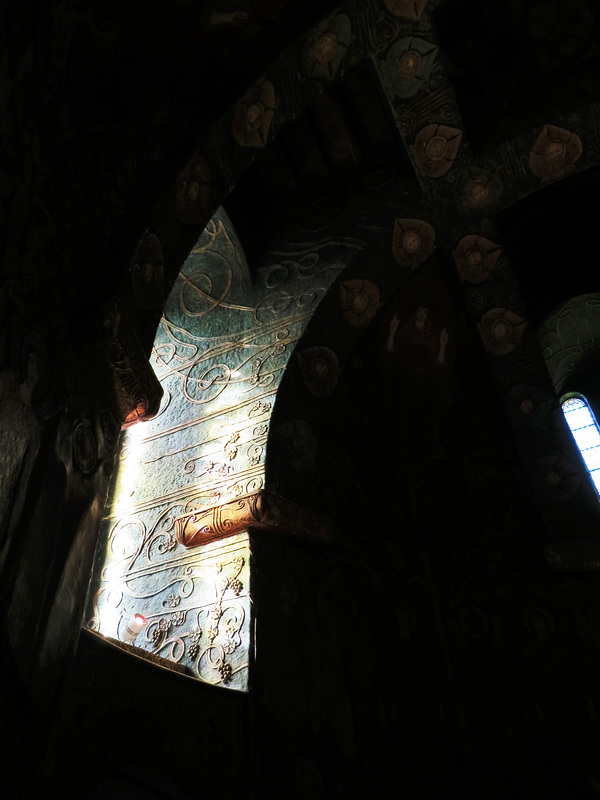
x: 586, y: 433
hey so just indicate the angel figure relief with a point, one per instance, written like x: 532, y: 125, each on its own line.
x: 417, y: 344
x: 416, y: 361
x: 418, y: 335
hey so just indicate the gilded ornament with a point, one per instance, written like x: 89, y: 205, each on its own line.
x: 557, y: 477
x: 157, y: 636
x: 260, y: 509
x: 320, y: 369
x: 326, y: 46
x: 413, y: 240
x: 554, y: 153
x: 408, y: 65
x: 212, y: 633
x: 259, y: 408
x: 501, y: 330
x: 253, y: 116
x: 359, y: 301
x: 195, y: 634
x: 479, y: 187
x: 226, y: 672
x: 173, y: 600
x: 435, y: 149
x: 529, y: 406
x: 192, y: 199
x: 476, y: 258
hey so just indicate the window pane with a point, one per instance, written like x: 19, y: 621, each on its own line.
x: 584, y: 428
x: 592, y: 458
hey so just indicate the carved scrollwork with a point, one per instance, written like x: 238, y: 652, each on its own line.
x: 259, y: 510
x: 135, y: 393
x: 85, y: 448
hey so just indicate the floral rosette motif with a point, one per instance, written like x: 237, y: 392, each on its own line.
x: 479, y: 187
x: 298, y: 442
x: 147, y: 274
x: 320, y: 369
x: 253, y: 116
x: 192, y: 201
x: 554, y: 153
x: 558, y: 478
x: 413, y: 240
x: 476, y: 258
x: 435, y: 149
x: 501, y: 330
x: 359, y: 301
x: 528, y: 406
x: 407, y: 9
x: 408, y: 65
x: 324, y: 51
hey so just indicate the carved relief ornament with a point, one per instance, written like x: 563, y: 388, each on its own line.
x: 262, y: 510
x: 134, y: 392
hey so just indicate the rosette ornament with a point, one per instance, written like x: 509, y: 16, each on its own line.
x: 479, y: 187
x: 501, y: 330
x: 147, y: 274
x: 554, y: 153
x: 320, y: 369
x: 412, y: 241
x: 192, y: 201
x: 528, y: 406
x: 326, y: 47
x: 253, y: 116
x: 558, y: 478
x: 408, y: 65
x: 359, y: 301
x: 435, y: 149
x: 476, y: 258
x: 407, y: 9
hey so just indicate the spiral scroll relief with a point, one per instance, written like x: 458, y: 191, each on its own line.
x: 191, y: 481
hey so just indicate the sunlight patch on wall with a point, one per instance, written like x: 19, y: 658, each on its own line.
x: 220, y: 353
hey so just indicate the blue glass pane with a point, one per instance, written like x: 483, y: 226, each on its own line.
x: 579, y: 417
x: 586, y: 433
x: 592, y: 458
